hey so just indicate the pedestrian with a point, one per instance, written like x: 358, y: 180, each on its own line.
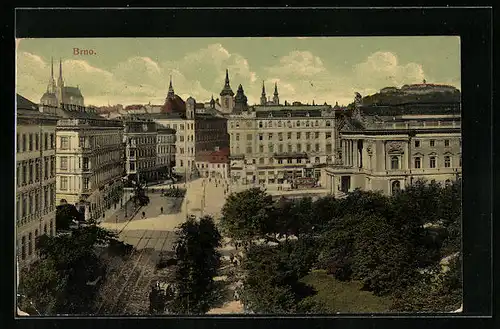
x: 143, y: 215
x: 161, y: 210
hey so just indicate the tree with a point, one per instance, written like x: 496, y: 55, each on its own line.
x: 66, y: 214
x: 198, y: 261
x: 247, y: 215
x: 382, y: 258
x: 58, y: 282
x: 336, y: 248
x: 436, y: 291
x: 272, y: 273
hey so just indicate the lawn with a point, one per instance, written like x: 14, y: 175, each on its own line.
x: 345, y: 297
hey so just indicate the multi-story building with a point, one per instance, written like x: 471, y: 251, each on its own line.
x: 35, y: 177
x: 89, y: 160
x: 140, y: 138
x: 198, y: 128
x: 387, y: 147
x: 165, y: 150
x: 214, y: 164
x: 274, y: 144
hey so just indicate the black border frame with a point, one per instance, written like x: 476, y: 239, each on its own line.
x: 473, y: 25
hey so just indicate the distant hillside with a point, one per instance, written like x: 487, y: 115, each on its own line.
x: 421, y: 93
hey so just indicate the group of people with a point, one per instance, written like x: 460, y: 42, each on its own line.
x: 218, y: 181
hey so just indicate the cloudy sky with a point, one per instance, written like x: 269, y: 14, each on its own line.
x: 324, y: 69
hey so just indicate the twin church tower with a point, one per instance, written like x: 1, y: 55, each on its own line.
x: 57, y: 94
x: 231, y: 103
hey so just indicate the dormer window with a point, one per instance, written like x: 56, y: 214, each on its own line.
x: 289, y: 114
x: 270, y: 115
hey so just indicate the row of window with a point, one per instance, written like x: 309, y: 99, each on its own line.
x: 271, y: 161
x: 280, y: 136
x: 27, y: 246
x: 189, y: 139
x: 143, y: 153
x: 89, y: 182
x: 165, y: 149
x: 289, y: 148
x: 432, y: 143
x: 189, y: 149
x: 181, y: 126
x: 92, y: 141
x: 34, y: 141
x: 84, y: 164
x: 189, y: 164
x: 280, y: 124
x: 30, y: 171
x: 141, y: 165
x: 31, y: 203
x: 133, y: 141
x: 163, y: 139
x: 417, y: 162
x: 207, y: 166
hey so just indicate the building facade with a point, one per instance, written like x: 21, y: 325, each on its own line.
x: 89, y: 160
x: 197, y: 129
x: 35, y: 177
x: 140, y: 138
x: 275, y: 144
x: 165, y: 150
x: 213, y: 164
x: 385, y: 149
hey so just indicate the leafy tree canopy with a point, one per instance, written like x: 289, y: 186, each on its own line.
x: 247, y: 215
x: 58, y: 282
x: 198, y: 261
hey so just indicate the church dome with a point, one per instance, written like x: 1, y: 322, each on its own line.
x: 174, y: 105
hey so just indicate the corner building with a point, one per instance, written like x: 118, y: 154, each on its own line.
x: 386, y: 148
x: 90, y: 157
x: 140, y: 137
x: 35, y: 178
x: 274, y: 144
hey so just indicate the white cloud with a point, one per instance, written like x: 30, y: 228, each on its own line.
x: 299, y: 64
x: 301, y: 76
x: 383, y: 69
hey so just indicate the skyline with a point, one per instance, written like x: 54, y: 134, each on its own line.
x: 137, y: 70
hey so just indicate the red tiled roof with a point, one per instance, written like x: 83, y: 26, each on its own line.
x: 175, y: 105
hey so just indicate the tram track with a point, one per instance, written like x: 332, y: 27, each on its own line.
x: 116, y: 278
x: 138, y: 299
x: 123, y: 292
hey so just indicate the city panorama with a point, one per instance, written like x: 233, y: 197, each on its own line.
x: 192, y: 176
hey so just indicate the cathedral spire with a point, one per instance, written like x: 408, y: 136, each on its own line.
x: 226, y: 83
x: 60, y: 81
x: 227, y: 91
x: 171, y: 93
x: 276, y: 99
x: 51, y: 87
x: 263, y: 98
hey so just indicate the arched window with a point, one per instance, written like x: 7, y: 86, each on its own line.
x: 447, y: 161
x: 417, y: 163
x: 394, y: 162
x: 432, y: 162
x: 395, y: 186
